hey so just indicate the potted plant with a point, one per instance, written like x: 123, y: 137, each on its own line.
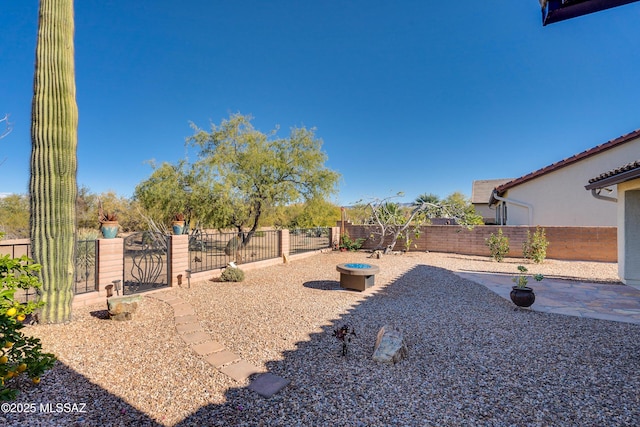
x: 521, y: 294
x: 178, y: 224
x: 108, y: 224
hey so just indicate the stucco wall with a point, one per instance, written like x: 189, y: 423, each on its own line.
x: 629, y: 232
x: 559, y: 197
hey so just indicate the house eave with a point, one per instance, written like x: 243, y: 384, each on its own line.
x: 614, y: 179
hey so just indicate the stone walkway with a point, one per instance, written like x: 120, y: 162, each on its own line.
x: 216, y: 354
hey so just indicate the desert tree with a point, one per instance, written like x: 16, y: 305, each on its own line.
x: 254, y: 171
x: 391, y: 220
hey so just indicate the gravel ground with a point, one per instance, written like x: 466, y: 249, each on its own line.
x: 472, y: 359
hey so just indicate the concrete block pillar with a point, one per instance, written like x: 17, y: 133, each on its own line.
x: 178, y: 259
x: 110, y: 262
x: 285, y: 243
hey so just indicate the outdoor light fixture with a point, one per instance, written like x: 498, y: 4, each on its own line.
x: 188, y: 271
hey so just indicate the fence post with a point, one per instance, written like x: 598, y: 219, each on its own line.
x: 110, y: 261
x: 285, y: 243
x: 179, y: 256
x: 334, y: 237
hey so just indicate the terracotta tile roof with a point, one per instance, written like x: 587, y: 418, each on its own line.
x: 570, y: 160
x: 615, y: 176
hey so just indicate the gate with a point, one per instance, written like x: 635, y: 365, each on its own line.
x: 146, y: 262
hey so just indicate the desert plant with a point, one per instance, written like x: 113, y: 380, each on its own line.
x: 53, y: 186
x: 351, y: 245
x: 498, y: 245
x: 232, y: 274
x: 521, y: 279
x: 343, y: 335
x: 535, y: 247
x: 18, y: 353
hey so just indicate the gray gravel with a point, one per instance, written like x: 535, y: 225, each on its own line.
x: 472, y: 360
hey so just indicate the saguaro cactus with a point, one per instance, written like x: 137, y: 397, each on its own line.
x: 53, y: 187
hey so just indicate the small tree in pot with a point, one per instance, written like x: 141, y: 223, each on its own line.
x: 521, y: 294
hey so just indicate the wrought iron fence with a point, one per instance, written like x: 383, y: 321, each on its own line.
x: 208, y: 251
x: 85, y: 271
x: 85, y: 266
x: 308, y: 239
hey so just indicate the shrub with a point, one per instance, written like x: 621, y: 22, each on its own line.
x: 232, y: 274
x: 535, y: 247
x: 351, y: 245
x: 19, y: 354
x: 498, y: 245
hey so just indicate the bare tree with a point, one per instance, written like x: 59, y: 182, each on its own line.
x: 8, y: 127
x: 393, y: 221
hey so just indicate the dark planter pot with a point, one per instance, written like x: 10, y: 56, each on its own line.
x: 522, y: 297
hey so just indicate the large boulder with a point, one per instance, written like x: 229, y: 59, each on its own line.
x: 390, y: 346
x: 123, y: 308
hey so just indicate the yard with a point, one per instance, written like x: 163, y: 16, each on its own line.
x: 472, y: 358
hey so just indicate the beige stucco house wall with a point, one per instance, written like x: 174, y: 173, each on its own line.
x: 555, y: 195
x: 627, y: 180
x: 480, y: 193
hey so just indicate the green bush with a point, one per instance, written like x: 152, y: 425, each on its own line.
x: 231, y: 274
x: 351, y: 245
x: 535, y: 247
x: 498, y: 245
x: 19, y: 354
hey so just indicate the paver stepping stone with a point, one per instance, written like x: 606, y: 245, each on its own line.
x: 222, y: 358
x: 268, y: 384
x: 207, y: 348
x: 240, y: 371
x: 164, y: 296
x: 190, y: 318
x: 175, y: 302
x: 186, y: 328
x: 183, y: 310
x: 195, y: 338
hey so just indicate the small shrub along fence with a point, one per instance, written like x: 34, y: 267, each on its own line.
x: 566, y: 243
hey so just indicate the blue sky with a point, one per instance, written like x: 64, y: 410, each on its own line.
x: 412, y: 96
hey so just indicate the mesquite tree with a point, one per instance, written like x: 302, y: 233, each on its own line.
x: 255, y: 171
x: 52, y: 185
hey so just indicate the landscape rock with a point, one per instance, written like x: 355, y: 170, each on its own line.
x: 123, y: 307
x: 390, y: 346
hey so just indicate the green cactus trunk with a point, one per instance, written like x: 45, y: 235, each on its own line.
x: 53, y: 188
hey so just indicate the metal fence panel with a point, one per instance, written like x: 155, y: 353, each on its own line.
x: 85, y: 271
x: 308, y: 239
x: 209, y: 251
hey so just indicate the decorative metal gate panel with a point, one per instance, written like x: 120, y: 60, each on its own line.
x: 146, y: 262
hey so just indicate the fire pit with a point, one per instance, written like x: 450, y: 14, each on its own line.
x: 357, y: 276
